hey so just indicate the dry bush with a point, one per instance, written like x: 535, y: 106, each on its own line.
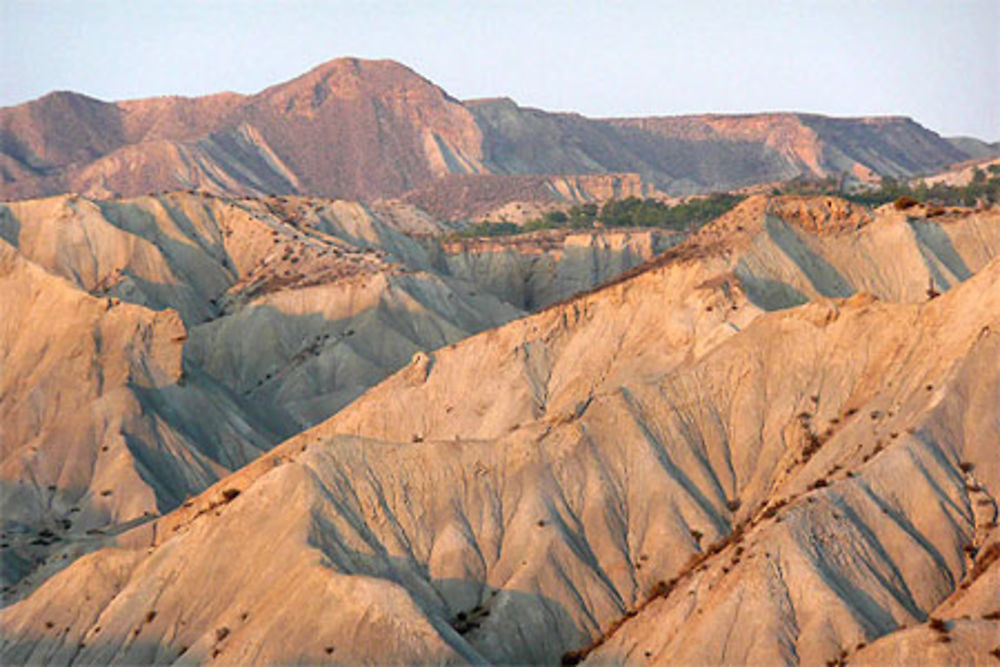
x: 989, y: 555
x: 937, y: 625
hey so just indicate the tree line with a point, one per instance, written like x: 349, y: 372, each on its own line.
x: 983, y: 188
x: 628, y: 212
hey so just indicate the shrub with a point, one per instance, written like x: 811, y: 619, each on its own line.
x: 662, y: 589
x: 987, y: 557
x: 904, y: 202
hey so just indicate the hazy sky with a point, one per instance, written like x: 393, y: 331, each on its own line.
x: 938, y: 61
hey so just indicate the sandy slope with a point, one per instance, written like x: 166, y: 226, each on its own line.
x: 268, y: 316
x: 802, y: 479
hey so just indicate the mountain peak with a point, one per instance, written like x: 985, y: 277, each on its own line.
x: 341, y: 73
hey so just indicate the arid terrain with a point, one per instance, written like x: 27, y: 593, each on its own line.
x: 361, y: 129
x: 264, y: 398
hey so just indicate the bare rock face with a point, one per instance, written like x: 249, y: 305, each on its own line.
x: 533, y: 271
x: 766, y: 445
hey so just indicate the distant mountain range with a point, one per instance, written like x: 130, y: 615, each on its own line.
x: 369, y: 130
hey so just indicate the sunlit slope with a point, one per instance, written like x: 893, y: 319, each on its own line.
x: 801, y: 481
x: 271, y: 314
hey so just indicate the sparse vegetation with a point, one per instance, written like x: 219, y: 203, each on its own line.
x: 984, y: 187
x: 937, y: 625
x: 985, y: 559
x: 932, y: 292
x: 628, y: 212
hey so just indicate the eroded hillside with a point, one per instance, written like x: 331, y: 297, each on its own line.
x: 371, y: 129
x: 153, y: 345
x: 772, y: 427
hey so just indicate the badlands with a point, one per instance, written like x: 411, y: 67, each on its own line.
x: 771, y: 443
x: 307, y: 376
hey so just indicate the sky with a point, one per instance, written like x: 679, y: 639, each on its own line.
x: 937, y: 61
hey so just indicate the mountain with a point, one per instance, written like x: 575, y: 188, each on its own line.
x: 976, y: 148
x: 820, y: 146
x: 367, y: 130
x: 349, y: 127
x: 768, y: 444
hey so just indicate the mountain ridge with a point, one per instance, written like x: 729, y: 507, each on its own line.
x: 373, y: 129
